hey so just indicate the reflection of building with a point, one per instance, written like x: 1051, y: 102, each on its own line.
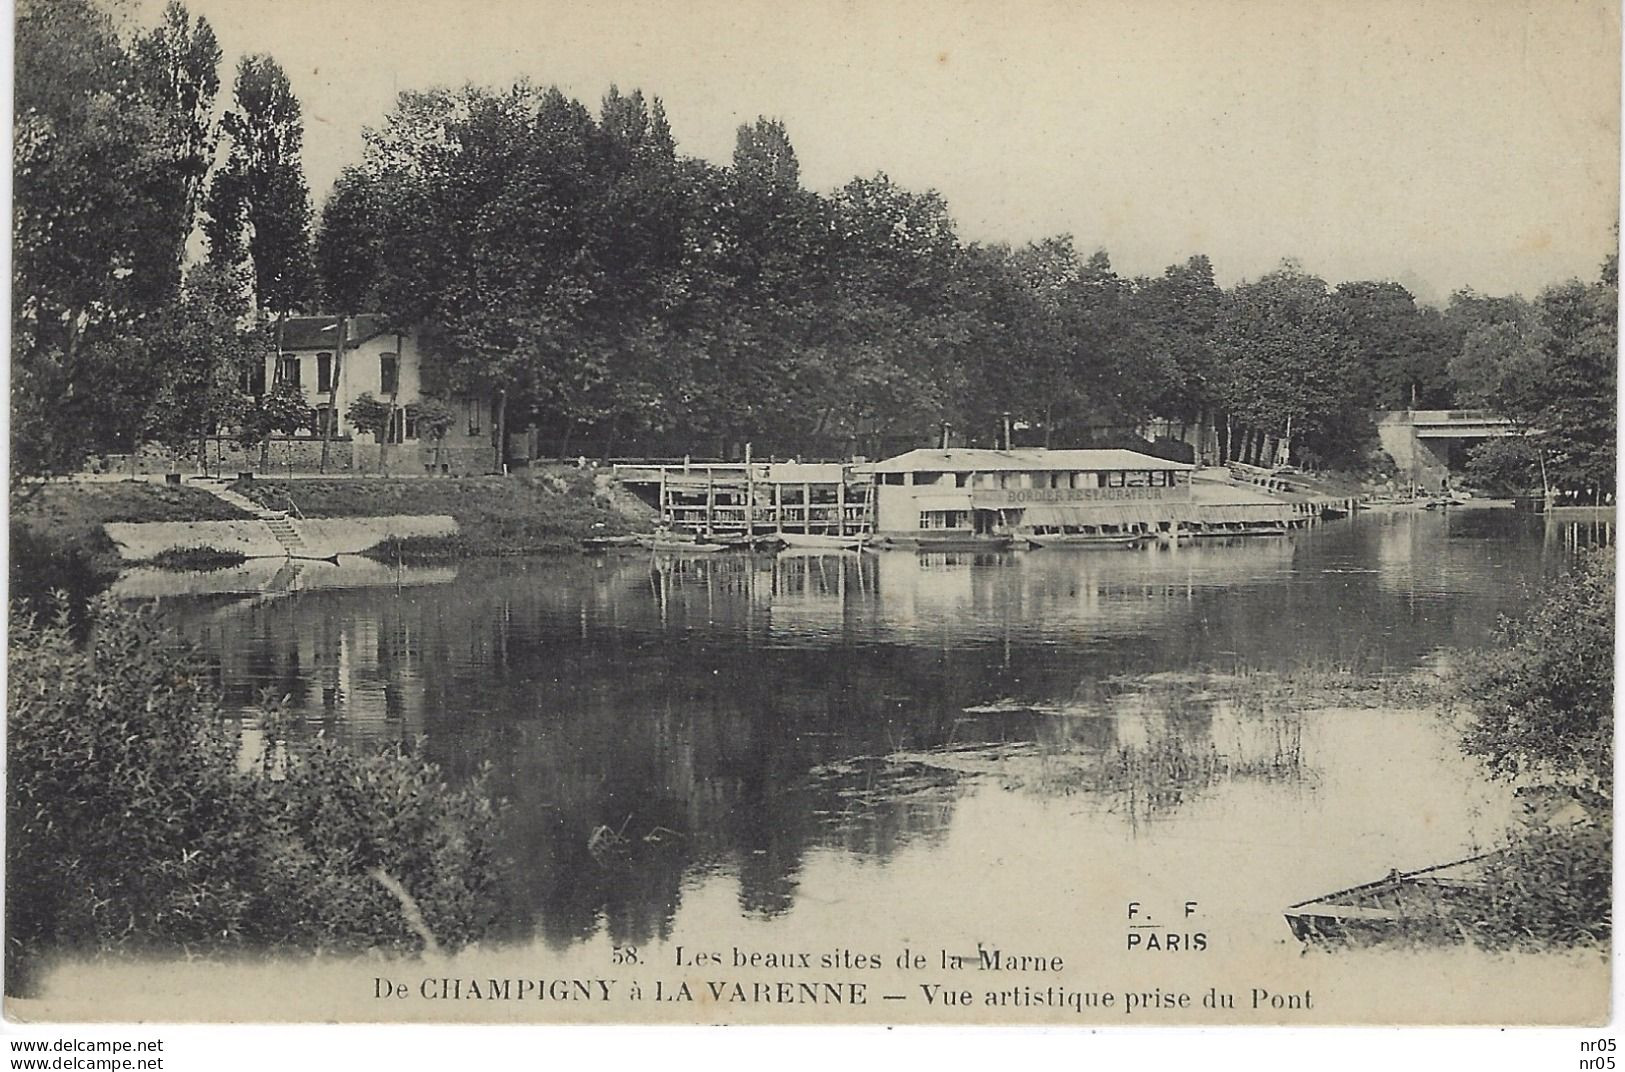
x: 996, y: 491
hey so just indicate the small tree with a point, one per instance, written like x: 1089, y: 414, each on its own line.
x: 367, y: 414
x: 282, y: 409
x: 198, y: 351
x: 433, y: 417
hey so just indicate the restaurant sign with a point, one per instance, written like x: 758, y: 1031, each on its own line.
x: 1004, y: 498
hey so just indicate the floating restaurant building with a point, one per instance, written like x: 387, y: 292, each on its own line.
x: 974, y: 497
x: 1003, y: 492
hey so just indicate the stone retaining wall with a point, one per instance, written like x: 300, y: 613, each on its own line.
x: 323, y: 536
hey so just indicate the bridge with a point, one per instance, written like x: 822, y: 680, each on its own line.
x: 1427, y: 444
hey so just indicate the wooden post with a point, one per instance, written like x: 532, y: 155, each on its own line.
x: 710, y: 499
x: 663, y: 495
x: 778, y: 507
x: 806, y: 507
x: 840, y: 503
x: 750, y: 498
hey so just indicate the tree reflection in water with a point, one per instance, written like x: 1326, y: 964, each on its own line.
x: 731, y: 714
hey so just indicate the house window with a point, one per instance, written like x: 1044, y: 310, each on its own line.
x: 944, y: 519
x: 324, y: 373
x: 389, y: 373
x: 254, y: 379
x: 403, y: 425
x: 287, y: 370
x: 1138, y: 479
x: 1159, y: 479
x: 324, y: 414
x: 1114, y: 479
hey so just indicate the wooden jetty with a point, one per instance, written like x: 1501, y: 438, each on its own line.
x: 747, y: 499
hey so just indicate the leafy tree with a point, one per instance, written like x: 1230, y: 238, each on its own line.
x: 281, y: 410
x: 1402, y: 352
x: 258, y: 204
x: 369, y: 415
x: 1576, y: 421
x: 179, y: 64
x: 201, y: 354
x: 1510, y: 466
x: 434, y: 417
x: 1287, y: 370
x: 98, y: 221
x: 349, y: 241
x: 1175, y: 314
x: 1549, y: 367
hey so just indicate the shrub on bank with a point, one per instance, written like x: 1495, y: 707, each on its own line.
x: 197, y: 558
x: 132, y: 826
x: 1539, y: 707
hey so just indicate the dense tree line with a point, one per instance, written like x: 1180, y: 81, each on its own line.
x: 610, y: 290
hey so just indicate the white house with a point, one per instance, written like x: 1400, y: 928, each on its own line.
x: 389, y: 366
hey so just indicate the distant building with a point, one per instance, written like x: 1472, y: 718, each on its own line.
x: 991, y: 492
x: 389, y: 366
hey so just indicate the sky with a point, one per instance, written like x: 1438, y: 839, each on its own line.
x: 1440, y: 143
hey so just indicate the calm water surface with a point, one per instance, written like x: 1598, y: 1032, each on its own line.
x: 725, y: 717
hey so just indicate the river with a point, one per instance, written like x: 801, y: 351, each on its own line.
x: 695, y: 751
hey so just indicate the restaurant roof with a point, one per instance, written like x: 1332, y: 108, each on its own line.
x: 967, y: 460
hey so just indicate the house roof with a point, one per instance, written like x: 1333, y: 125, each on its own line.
x: 1021, y: 459
x: 322, y: 332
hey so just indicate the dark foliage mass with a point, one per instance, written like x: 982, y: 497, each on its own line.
x: 617, y: 293
x: 131, y: 824
x: 1539, y: 707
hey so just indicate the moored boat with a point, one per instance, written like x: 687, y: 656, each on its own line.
x: 601, y: 543
x: 1086, y: 539
x: 1210, y: 532
x: 674, y: 543
x: 943, y: 541
x: 820, y: 541
x: 1404, y: 904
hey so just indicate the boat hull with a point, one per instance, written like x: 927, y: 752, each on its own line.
x: 1432, y: 902
x: 1080, y: 541
x: 667, y: 545
x: 817, y: 542
x: 947, y: 542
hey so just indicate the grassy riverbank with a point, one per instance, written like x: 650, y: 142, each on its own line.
x: 57, y: 539
x: 526, y: 513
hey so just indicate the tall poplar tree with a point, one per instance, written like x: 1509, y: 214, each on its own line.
x: 258, y: 206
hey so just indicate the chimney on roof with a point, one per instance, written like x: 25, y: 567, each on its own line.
x: 1007, y: 444
x: 945, y: 427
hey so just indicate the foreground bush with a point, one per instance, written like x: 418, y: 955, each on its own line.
x: 1539, y: 708
x: 133, y: 826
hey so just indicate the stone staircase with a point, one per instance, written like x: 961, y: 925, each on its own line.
x: 281, y: 526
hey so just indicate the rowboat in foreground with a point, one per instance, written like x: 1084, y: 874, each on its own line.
x: 1404, y: 904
